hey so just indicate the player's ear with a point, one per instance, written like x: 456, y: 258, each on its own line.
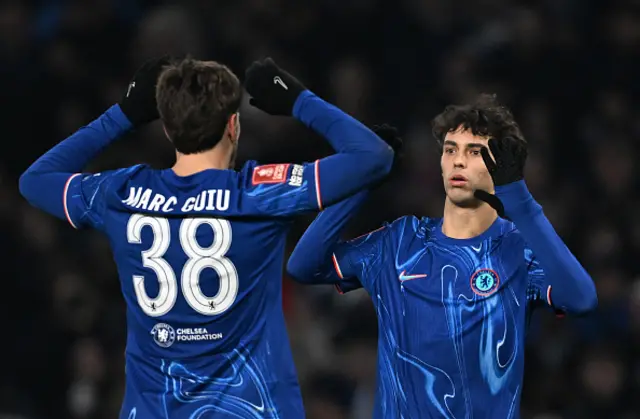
x: 164, y: 129
x: 233, y: 127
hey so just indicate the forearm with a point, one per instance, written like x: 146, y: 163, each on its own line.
x: 572, y: 288
x: 43, y: 184
x: 75, y: 152
x: 311, y: 261
x: 362, y: 157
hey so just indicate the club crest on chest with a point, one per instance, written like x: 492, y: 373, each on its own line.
x: 485, y: 282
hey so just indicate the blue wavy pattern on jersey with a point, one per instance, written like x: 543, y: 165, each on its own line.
x: 229, y: 395
x: 276, y: 200
x: 482, y: 332
x: 91, y: 187
x: 536, y: 277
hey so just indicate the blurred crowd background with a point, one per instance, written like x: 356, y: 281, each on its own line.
x: 567, y: 68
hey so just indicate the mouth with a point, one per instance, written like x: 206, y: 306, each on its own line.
x: 458, y: 181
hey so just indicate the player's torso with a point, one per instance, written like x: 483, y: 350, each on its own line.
x: 206, y: 331
x: 193, y: 286
x: 451, y: 319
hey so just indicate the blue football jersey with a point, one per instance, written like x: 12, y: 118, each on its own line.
x: 200, y: 262
x: 452, y: 316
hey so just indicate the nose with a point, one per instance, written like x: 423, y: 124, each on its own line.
x: 459, y: 161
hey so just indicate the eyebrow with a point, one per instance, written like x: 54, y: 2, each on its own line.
x: 469, y: 145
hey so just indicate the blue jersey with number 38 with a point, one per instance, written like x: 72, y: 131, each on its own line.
x: 200, y: 263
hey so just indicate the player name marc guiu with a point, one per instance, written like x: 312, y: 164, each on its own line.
x: 209, y: 200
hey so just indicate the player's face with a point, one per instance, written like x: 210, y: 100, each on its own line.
x: 463, y: 169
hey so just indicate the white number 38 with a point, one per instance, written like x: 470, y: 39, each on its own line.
x: 199, y: 258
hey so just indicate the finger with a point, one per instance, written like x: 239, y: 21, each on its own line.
x: 385, y: 129
x: 396, y: 144
x: 518, y: 149
x: 497, y: 151
x: 159, y: 64
x: 490, y: 199
x: 173, y: 59
x: 511, y: 145
x: 165, y: 59
x: 390, y: 129
x: 384, y: 132
x: 488, y: 161
x: 250, y: 76
x: 255, y: 104
x: 252, y: 68
x: 495, y: 148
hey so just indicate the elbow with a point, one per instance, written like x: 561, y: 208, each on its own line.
x: 590, y: 298
x: 305, y: 270
x: 297, y: 270
x: 26, y: 183
x: 584, y: 307
x: 587, y: 303
x: 382, y: 161
x: 386, y: 159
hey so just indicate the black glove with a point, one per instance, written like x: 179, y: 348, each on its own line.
x: 272, y: 89
x: 139, y: 101
x: 390, y: 135
x: 508, y: 167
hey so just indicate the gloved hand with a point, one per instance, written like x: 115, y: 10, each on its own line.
x: 508, y: 167
x: 390, y: 135
x: 273, y: 90
x: 139, y: 101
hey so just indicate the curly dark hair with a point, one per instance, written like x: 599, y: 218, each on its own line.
x: 195, y: 101
x: 485, y: 117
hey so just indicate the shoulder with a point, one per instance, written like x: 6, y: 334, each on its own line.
x: 254, y: 174
x: 508, y: 234
x: 126, y: 173
x: 105, y: 180
x: 246, y: 172
x: 405, y: 229
x: 111, y: 183
x: 510, y: 244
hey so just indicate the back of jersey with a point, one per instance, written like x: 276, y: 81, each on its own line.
x: 200, y: 262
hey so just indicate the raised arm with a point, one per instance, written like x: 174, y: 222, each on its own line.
x: 312, y: 260
x: 46, y: 182
x: 362, y: 158
x: 320, y: 257
x: 568, y: 286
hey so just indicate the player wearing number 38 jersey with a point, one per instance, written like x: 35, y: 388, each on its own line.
x: 199, y: 247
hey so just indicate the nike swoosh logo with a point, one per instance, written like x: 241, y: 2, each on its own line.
x: 278, y: 80
x: 404, y: 277
x: 478, y: 249
x: 131, y: 86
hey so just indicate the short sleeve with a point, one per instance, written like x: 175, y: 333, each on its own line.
x: 538, y: 288
x: 282, y: 189
x: 84, y: 199
x: 357, y: 262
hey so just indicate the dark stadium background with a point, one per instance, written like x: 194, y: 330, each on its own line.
x: 568, y: 68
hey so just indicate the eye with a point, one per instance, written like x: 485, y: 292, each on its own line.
x: 476, y: 152
x: 449, y: 150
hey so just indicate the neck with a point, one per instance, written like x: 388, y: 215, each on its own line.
x: 466, y: 223
x: 189, y: 164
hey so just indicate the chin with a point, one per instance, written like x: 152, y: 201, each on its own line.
x: 461, y: 198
